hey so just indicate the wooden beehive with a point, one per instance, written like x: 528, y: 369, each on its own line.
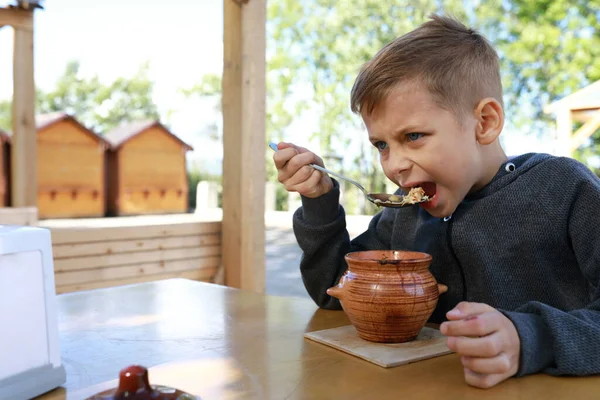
x: 71, y: 168
x: 146, y: 167
x: 4, y: 169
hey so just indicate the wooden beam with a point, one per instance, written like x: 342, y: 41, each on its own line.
x: 584, y: 115
x: 583, y: 98
x: 589, y: 107
x: 17, y: 18
x: 244, y: 143
x: 24, y: 146
x: 585, y: 131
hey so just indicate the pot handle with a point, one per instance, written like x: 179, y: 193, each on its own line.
x: 335, y: 291
x: 442, y: 288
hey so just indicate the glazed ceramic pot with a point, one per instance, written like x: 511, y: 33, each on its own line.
x: 134, y: 384
x: 388, y: 295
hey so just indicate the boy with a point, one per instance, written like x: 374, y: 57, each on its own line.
x: 516, y: 241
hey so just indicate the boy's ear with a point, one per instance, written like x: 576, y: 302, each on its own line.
x: 490, y: 120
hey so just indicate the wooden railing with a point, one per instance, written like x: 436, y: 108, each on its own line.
x: 141, y: 250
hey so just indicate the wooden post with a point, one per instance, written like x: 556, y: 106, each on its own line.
x: 24, y: 146
x: 564, y: 131
x: 244, y: 170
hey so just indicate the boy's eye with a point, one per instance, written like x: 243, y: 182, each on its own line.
x: 414, y: 136
x: 381, y: 145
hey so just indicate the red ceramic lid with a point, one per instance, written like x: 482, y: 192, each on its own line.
x: 134, y: 384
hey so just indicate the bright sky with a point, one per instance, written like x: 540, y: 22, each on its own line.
x: 182, y: 39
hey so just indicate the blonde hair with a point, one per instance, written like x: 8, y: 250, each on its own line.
x: 456, y: 65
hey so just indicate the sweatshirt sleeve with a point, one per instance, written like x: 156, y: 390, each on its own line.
x: 567, y: 342
x: 320, y: 230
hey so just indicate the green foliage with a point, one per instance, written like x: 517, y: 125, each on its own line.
x: 193, y: 178
x: 195, y: 174
x: 548, y: 49
x: 281, y: 198
x: 209, y: 87
x: 98, y: 106
x: 557, y: 52
x: 331, y: 40
x: 316, y: 48
x: 6, y: 115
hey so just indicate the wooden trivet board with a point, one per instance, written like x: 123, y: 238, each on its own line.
x: 430, y: 343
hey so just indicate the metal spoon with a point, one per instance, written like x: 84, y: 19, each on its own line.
x: 379, y: 199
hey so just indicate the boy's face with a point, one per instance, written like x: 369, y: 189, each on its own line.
x: 422, y: 144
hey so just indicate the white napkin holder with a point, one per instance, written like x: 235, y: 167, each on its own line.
x: 30, y: 363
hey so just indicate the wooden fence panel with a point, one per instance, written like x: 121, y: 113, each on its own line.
x: 91, y: 257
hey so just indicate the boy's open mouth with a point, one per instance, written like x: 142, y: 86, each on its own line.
x: 430, y: 188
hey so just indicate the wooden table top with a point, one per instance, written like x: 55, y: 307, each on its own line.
x: 222, y: 343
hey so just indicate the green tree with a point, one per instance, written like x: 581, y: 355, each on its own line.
x: 551, y: 48
x: 5, y: 115
x: 316, y: 49
x: 196, y: 173
x: 548, y: 49
x: 209, y: 87
x: 99, y: 106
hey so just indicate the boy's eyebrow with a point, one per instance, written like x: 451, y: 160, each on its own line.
x: 399, y: 131
x: 407, y: 129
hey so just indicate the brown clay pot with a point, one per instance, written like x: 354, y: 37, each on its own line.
x: 388, y: 295
x: 135, y: 385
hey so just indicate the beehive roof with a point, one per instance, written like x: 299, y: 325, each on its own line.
x: 128, y: 130
x: 43, y: 121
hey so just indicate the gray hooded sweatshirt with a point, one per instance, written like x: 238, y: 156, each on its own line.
x: 527, y: 244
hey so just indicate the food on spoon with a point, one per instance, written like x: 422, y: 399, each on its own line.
x: 414, y: 196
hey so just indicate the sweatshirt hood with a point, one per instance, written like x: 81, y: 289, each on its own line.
x: 510, y: 170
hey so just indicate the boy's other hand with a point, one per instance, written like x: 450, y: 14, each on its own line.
x: 295, y: 173
x: 486, y: 340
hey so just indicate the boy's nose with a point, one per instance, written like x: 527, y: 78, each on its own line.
x: 398, y: 163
